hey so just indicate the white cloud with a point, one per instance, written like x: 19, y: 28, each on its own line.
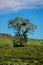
x: 15, y: 5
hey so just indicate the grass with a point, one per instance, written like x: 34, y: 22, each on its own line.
x: 31, y: 54
x: 22, y: 55
x: 6, y: 40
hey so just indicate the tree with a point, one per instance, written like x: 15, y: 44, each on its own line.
x: 22, y: 27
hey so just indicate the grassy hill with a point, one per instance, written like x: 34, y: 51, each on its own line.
x: 6, y: 40
x: 32, y: 54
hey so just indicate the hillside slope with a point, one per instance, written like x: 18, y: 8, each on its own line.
x: 31, y: 55
x: 6, y: 40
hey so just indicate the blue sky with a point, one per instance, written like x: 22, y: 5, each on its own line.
x: 29, y: 9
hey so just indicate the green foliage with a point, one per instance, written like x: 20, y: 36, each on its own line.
x: 22, y: 28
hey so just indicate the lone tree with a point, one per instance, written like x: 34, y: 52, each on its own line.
x: 22, y: 27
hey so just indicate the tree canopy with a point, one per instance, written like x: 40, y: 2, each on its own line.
x: 22, y: 27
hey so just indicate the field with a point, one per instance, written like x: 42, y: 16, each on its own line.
x: 31, y: 54
x: 7, y: 41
